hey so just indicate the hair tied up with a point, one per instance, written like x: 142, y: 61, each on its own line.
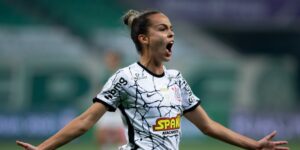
x: 130, y: 16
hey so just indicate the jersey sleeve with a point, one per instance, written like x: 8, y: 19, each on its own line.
x: 189, y: 100
x: 113, y: 91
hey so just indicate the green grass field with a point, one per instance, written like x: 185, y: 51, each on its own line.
x: 185, y: 145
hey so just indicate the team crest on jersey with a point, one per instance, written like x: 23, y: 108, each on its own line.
x: 176, y: 91
x: 164, y: 124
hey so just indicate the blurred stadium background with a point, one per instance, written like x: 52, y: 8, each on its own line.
x: 241, y: 57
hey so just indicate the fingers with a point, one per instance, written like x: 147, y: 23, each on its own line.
x: 280, y: 142
x: 23, y: 144
x: 281, y: 148
x: 270, y: 136
x: 26, y: 146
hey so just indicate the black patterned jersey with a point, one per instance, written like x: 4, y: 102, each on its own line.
x: 152, y: 105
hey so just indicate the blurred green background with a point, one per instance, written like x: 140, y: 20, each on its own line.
x: 240, y: 57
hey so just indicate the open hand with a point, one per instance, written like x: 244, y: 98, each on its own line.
x: 266, y: 143
x: 26, y: 146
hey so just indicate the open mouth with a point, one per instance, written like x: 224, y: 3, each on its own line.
x: 169, y: 46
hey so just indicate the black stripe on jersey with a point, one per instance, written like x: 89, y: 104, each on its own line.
x: 110, y: 108
x: 130, y: 129
x: 192, y: 108
x: 153, y: 74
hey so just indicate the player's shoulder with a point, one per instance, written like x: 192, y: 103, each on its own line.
x: 128, y: 70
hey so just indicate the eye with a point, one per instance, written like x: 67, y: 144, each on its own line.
x: 162, y: 29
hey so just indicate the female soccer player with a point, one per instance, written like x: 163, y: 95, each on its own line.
x: 152, y: 98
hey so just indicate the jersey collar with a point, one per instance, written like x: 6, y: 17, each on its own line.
x: 150, y: 72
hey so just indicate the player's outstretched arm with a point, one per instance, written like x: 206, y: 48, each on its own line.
x: 209, y: 127
x: 75, y: 128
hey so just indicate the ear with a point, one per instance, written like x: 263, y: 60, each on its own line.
x: 143, y: 39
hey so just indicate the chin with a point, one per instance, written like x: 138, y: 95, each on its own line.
x: 166, y: 59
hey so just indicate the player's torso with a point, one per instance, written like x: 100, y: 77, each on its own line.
x: 154, y: 107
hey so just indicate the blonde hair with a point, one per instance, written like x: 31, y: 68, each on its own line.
x: 130, y: 16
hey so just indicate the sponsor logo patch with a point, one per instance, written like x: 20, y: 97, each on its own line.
x: 163, y: 124
x: 116, y: 88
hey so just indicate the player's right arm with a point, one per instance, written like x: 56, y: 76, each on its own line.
x: 75, y: 128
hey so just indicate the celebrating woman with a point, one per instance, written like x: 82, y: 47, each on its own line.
x: 152, y: 99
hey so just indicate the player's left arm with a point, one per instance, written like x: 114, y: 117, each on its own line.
x: 201, y: 120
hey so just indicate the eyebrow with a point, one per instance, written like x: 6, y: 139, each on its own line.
x: 163, y: 25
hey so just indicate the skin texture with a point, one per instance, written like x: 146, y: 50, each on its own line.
x: 75, y: 128
x: 154, y: 44
x: 154, y: 54
x: 211, y: 128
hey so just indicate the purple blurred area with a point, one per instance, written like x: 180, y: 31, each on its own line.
x: 234, y: 13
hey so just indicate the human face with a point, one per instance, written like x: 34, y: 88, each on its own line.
x: 161, y: 38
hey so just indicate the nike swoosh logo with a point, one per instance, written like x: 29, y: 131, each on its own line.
x: 149, y: 95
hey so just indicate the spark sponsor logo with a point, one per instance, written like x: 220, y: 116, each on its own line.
x: 116, y: 88
x: 163, y: 124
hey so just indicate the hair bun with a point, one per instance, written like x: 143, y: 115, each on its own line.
x: 130, y: 16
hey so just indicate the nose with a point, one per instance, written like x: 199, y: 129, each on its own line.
x: 171, y: 34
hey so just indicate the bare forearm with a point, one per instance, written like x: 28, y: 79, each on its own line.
x: 199, y: 118
x: 74, y: 129
x: 222, y: 133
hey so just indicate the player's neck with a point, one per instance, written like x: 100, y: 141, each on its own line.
x: 153, y: 66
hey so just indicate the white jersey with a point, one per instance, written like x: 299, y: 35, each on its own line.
x: 152, y: 105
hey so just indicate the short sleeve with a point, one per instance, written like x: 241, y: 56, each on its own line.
x: 189, y: 100
x: 113, y: 91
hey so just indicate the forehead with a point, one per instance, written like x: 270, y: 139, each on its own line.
x: 159, y: 18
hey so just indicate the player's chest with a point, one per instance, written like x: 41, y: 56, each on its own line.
x: 157, y: 91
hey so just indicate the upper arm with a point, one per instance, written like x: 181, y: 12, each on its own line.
x: 93, y: 114
x: 199, y: 118
x: 189, y: 99
x: 113, y: 92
